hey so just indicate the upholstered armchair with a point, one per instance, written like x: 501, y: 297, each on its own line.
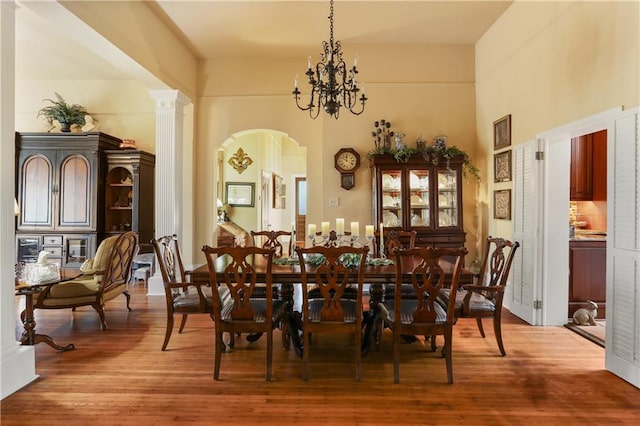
x: 102, y: 278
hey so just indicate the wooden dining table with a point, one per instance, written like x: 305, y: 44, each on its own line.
x: 289, y: 274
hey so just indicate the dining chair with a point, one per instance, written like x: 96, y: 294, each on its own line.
x: 103, y: 277
x: 484, y: 298
x: 393, y: 239
x: 273, y: 239
x: 182, y: 296
x: 235, y: 310
x: 420, y: 313
x: 340, y: 269
x: 268, y: 240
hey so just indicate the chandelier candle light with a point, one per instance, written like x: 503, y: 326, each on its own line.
x: 332, y: 84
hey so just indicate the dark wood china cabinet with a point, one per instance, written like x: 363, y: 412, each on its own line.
x: 60, y: 188
x: 418, y: 195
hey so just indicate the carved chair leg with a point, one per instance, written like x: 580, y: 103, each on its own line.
x: 497, y: 329
x: 218, y: 355
x: 183, y: 322
x: 100, y: 309
x: 479, y: 322
x: 167, y: 334
x: 269, y: 354
x: 128, y: 296
x: 448, y: 356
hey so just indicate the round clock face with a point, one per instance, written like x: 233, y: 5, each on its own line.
x: 347, y: 161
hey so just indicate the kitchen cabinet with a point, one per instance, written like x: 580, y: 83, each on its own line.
x: 587, y: 274
x: 130, y: 194
x: 418, y: 195
x: 60, y: 189
x: 581, y: 175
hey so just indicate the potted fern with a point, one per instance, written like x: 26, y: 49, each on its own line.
x: 62, y: 112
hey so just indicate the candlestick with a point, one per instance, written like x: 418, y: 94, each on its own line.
x: 340, y: 226
x: 382, y: 240
x: 368, y: 231
x: 355, y: 229
x: 325, y: 228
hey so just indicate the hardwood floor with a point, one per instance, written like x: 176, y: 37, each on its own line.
x: 550, y: 375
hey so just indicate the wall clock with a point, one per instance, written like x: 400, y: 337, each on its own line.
x: 347, y: 161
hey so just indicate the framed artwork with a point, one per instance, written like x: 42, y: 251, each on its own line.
x: 240, y: 194
x: 279, y: 192
x: 502, y: 204
x: 502, y: 132
x: 502, y: 167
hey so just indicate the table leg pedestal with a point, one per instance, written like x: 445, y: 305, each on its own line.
x: 371, y: 323
x: 29, y: 335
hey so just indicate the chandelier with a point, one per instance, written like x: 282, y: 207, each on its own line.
x: 332, y: 84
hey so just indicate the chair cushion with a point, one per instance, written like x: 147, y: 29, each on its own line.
x: 85, y: 286
x: 407, y: 307
x: 259, y: 307
x: 477, y: 303
x: 190, y: 302
x: 101, y: 260
x: 76, y: 292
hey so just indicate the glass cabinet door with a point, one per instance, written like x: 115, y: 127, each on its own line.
x: 392, y: 213
x: 447, y: 198
x: 419, y: 200
x: 78, y: 249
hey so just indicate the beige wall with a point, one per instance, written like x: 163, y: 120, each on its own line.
x: 422, y: 91
x: 123, y: 108
x: 551, y: 63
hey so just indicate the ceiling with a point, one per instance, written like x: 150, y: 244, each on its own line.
x: 277, y: 28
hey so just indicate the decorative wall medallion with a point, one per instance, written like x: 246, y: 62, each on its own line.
x: 240, y: 161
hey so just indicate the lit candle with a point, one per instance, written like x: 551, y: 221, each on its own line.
x: 309, y: 62
x: 381, y: 239
x: 355, y: 229
x: 295, y: 82
x: 355, y: 61
x: 311, y: 230
x: 340, y: 226
x: 368, y: 231
x: 325, y: 228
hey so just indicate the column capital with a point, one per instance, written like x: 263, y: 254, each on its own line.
x: 169, y: 99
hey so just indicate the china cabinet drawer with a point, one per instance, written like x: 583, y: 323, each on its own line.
x: 52, y: 240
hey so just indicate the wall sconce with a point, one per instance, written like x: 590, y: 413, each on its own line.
x: 240, y: 161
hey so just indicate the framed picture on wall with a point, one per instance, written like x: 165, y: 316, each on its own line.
x: 502, y: 204
x: 502, y: 167
x: 278, y: 192
x: 240, y: 194
x: 502, y: 132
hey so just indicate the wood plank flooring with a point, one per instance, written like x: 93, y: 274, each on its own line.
x: 550, y: 375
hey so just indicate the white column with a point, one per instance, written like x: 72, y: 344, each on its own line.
x: 18, y: 362
x: 169, y: 141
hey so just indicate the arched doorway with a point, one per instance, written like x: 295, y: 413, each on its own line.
x: 276, y: 162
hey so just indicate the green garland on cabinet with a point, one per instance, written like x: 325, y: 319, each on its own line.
x: 432, y: 153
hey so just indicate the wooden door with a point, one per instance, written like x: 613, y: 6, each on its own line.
x: 522, y: 293
x: 622, y: 349
x: 36, y: 192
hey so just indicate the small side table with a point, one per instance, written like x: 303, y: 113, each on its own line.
x: 29, y: 335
